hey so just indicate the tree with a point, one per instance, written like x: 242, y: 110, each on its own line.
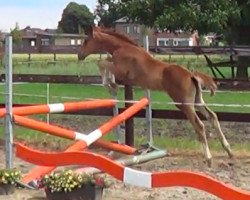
x: 228, y: 17
x: 239, y: 34
x: 107, y: 16
x: 75, y: 18
x: 16, y: 34
x: 204, y: 16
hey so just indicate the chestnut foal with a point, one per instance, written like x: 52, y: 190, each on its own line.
x: 134, y: 65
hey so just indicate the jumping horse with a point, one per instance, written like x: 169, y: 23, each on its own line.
x: 132, y: 64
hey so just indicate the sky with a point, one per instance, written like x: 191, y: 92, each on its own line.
x: 35, y: 13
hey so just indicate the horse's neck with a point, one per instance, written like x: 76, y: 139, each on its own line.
x: 110, y: 44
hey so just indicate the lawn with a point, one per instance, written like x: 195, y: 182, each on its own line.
x: 37, y: 93
x: 68, y: 64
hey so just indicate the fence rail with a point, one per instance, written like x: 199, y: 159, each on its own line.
x: 230, y: 84
x: 234, y: 50
x: 179, y: 50
x: 156, y: 113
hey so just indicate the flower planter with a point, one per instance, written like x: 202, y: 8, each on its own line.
x: 6, y: 189
x: 87, y: 192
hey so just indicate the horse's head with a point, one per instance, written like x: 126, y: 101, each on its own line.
x: 90, y: 44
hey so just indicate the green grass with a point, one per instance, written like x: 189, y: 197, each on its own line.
x: 37, y: 93
x: 68, y: 64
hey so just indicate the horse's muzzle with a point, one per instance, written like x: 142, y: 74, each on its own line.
x: 81, y: 56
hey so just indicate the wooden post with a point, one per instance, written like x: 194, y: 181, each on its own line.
x: 129, y: 123
x: 54, y: 58
x: 29, y: 59
x: 242, y: 67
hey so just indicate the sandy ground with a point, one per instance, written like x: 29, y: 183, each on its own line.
x: 235, y: 172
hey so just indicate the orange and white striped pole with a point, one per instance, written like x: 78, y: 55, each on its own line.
x: 40, y: 171
x: 70, y: 134
x: 59, y: 107
x: 87, y: 139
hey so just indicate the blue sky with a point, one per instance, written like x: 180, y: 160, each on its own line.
x: 34, y: 13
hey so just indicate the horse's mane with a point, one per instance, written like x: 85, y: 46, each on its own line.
x: 120, y: 36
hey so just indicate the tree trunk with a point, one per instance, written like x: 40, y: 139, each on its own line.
x: 242, y: 67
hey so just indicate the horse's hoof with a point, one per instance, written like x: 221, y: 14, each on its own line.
x: 230, y: 154
x: 209, y: 163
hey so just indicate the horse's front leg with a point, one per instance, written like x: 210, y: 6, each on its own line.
x: 108, y: 78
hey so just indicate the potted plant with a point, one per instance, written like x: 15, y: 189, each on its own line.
x: 68, y: 185
x: 8, y: 180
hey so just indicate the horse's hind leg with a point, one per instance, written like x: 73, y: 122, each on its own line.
x: 212, y: 117
x: 199, y: 128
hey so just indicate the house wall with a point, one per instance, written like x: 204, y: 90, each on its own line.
x: 67, y: 41
x: 132, y: 30
x: 171, y: 39
x: 26, y: 42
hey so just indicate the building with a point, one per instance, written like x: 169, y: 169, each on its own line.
x: 133, y: 30
x: 156, y: 38
x: 39, y: 40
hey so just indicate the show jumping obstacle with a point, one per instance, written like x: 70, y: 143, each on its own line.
x: 71, y: 156
x: 134, y: 177
x: 83, y: 140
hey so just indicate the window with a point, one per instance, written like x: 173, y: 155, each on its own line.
x: 32, y: 43
x: 162, y: 42
x: 127, y: 29
x: 72, y: 42
x: 45, y: 42
x: 175, y: 43
x: 136, y: 29
x: 79, y: 42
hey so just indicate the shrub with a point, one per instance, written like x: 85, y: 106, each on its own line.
x: 9, y: 176
x: 68, y: 180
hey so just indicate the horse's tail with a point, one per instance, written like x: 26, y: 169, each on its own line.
x: 204, y: 80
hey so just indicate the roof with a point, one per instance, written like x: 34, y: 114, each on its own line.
x: 70, y: 35
x: 49, y: 30
x: 31, y: 33
x: 122, y: 20
x: 2, y: 36
x: 167, y: 34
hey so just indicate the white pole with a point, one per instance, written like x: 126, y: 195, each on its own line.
x: 8, y: 103
x: 48, y: 93
x: 149, y: 107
